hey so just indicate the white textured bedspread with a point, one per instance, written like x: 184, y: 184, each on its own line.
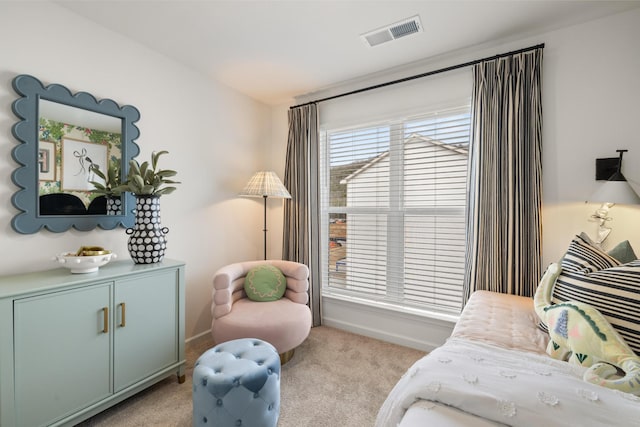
x: 508, y: 386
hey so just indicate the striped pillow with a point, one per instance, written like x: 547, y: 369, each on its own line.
x: 582, y: 256
x: 591, y: 276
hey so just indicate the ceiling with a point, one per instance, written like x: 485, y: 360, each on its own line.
x: 275, y: 50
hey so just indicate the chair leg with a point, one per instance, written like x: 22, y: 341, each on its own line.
x: 286, y: 356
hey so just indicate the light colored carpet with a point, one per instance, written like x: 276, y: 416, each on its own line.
x: 335, y: 379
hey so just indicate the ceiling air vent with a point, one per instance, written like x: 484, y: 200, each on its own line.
x: 393, y: 31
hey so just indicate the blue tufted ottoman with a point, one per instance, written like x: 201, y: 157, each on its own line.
x: 237, y: 383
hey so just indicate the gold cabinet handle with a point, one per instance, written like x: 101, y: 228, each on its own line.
x: 105, y: 313
x: 123, y: 320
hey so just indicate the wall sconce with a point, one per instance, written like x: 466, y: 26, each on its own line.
x: 615, y: 191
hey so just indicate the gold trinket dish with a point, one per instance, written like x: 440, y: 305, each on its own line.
x: 90, y: 251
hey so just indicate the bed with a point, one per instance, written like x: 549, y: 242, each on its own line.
x: 494, y: 370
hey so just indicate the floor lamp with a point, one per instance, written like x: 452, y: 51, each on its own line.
x: 265, y: 184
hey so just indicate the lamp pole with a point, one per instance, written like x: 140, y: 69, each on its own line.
x: 265, y: 225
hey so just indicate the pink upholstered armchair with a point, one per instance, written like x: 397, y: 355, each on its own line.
x: 284, y: 323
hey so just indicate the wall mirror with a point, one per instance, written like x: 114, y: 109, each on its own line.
x: 64, y: 138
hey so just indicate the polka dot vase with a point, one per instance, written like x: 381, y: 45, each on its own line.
x: 147, y: 241
x: 114, y: 206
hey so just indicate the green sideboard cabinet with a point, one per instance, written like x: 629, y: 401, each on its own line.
x: 72, y: 345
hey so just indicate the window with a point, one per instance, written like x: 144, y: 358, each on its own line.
x: 393, y: 198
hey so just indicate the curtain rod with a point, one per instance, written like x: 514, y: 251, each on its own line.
x: 418, y: 76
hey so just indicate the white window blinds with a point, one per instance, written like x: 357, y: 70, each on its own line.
x: 393, y: 200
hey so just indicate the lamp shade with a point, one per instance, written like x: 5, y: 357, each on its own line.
x: 618, y: 192
x: 265, y: 184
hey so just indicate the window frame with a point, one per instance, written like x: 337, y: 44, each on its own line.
x: 395, y: 213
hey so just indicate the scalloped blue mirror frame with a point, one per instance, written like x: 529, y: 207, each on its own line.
x: 26, y: 176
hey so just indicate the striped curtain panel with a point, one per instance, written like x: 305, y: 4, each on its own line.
x: 301, y: 230
x: 504, y: 224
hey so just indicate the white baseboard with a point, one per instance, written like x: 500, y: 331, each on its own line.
x: 380, y: 335
x: 407, y: 329
x: 200, y: 335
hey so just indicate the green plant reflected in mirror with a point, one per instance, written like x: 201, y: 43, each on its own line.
x: 71, y: 146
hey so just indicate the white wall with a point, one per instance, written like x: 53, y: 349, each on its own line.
x: 591, y: 107
x: 214, y: 135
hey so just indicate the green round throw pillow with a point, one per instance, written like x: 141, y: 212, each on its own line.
x: 265, y: 283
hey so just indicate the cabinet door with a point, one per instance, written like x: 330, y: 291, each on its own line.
x: 146, y: 330
x: 62, y: 353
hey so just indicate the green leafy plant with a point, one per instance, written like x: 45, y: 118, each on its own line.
x: 112, y: 181
x: 146, y: 179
